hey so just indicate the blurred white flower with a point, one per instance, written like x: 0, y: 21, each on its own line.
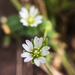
x: 31, y: 17
x: 35, y: 51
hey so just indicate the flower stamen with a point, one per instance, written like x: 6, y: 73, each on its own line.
x: 36, y: 52
x: 30, y: 19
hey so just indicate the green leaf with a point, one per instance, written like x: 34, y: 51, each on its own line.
x: 13, y: 20
x: 32, y: 31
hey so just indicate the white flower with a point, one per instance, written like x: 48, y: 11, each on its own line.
x: 35, y: 52
x: 30, y: 18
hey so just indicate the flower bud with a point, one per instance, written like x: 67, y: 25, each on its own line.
x: 48, y: 26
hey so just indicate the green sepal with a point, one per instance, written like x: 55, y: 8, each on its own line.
x: 48, y: 26
x: 32, y: 40
x: 32, y: 61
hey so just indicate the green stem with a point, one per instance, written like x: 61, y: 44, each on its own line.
x: 45, y: 34
x: 66, y: 62
x: 49, y: 69
x: 16, y: 4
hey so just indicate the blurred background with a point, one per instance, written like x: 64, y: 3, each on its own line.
x: 61, y: 38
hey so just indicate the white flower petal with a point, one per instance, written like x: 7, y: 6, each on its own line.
x: 25, y: 47
x: 39, y: 17
x: 25, y: 54
x: 22, y: 14
x: 38, y: 21
x: 34, y: 24
x: 36, y: 41
x: 32, y: 9
x: 25, y: 11
x: 44, y: 52
x: 30, y: 45
x: 24, y: 22
x: 35, y: 12
x: 45, y: 48
x: 29, y: 58
x: 40, y: 42
x: 42, y: 59
x: 36, y: 61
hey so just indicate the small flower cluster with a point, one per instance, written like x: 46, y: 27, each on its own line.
x: 31, y: 17
x: 35, y: 51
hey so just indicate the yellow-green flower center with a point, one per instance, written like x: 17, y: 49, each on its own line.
x: 30, y: 19
x: 36, y: 52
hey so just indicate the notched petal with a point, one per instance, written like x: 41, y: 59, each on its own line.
x: 42, y: 59
x: 25, y: 54
x: 29, y: 43
x: 25, y: 47
x: 46, y: 48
